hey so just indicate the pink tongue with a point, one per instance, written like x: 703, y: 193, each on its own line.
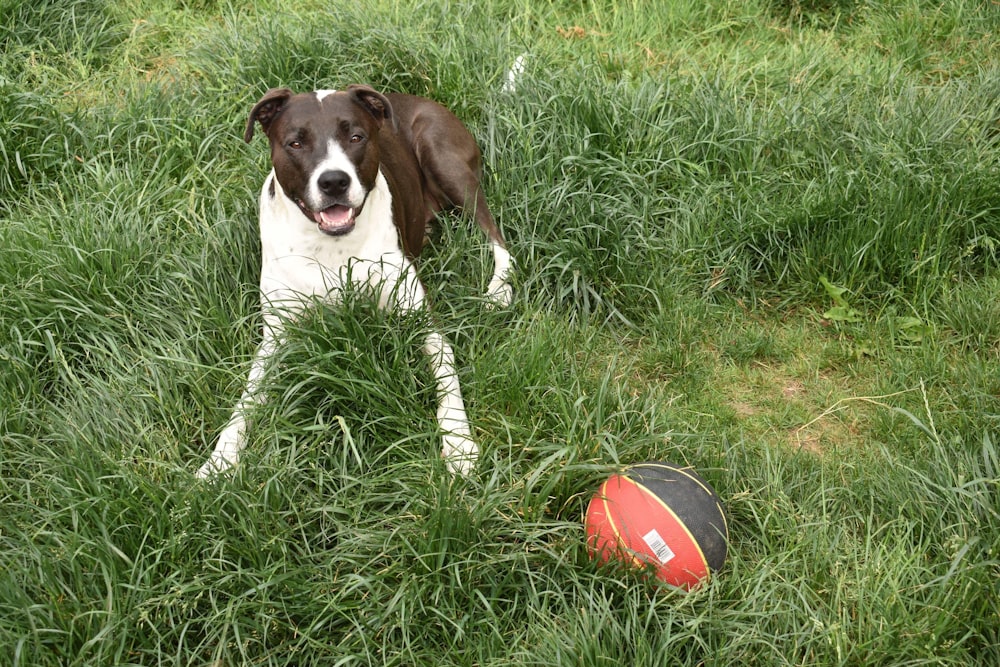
x: 336, y: 218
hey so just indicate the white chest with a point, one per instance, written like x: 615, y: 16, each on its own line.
x: 298, y: 260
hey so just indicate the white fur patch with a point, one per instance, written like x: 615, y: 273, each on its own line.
x: 499, y: 290
x: 336, y: 160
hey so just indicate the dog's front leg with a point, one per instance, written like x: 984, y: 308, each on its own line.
x: 458, y: 447
x: 233, y: 438
x: 400, y: 287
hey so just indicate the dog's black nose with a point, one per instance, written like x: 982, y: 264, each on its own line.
x: 334, y: 183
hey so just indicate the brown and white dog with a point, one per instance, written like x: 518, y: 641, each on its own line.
x: 357, y: 176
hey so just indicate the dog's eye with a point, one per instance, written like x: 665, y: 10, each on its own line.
x: 295, y: 144
x: 356, y: 138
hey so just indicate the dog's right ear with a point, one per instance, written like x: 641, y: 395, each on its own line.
x: 266, y: 110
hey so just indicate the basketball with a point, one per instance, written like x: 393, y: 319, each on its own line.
x: 659, y: 516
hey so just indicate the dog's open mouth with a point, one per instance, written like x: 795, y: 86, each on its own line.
x: 335, y: 220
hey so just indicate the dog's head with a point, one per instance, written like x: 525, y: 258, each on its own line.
x: 324, y: 149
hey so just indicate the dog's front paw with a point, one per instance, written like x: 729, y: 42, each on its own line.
x: 218, y: 462
x: 460, y: 453
x: 499, y: 294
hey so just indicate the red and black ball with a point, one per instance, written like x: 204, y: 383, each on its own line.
x: 660, y: 516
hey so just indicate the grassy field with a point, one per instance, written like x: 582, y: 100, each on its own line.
x: 759, y: 238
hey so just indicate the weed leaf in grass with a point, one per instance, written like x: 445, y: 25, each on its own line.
x: 842, y: 311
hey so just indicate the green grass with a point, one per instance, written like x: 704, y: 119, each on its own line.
x: 757, y: 238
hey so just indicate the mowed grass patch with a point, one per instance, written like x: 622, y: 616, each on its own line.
x: 758, y: 239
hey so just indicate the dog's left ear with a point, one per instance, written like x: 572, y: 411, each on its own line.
x: 266, y: 110
x: 373, y: 101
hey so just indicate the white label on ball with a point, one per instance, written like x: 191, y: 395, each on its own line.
x: 663, y: 553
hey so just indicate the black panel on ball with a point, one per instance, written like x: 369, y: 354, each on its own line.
x: 693, y: 500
